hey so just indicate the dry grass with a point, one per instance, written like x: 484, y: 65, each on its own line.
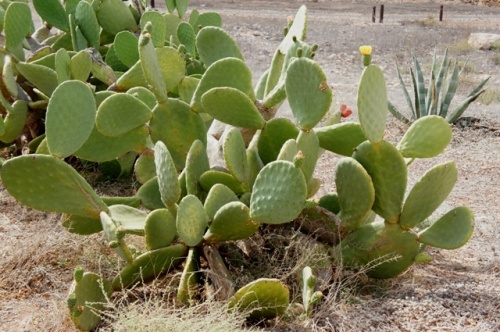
x: 490, y: 96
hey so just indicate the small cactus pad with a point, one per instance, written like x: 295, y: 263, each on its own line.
x: 144, y: 95
x: 355, y: 191
x: 451, y: 231
x: 212, y: 177
x: 168, y: 181
x: 279, y: 193
x: 214, y: 44
x: 87, y: 297
x: 330, y: 202
x: 128, y: 219
x: 426, y: 138
x: 15, y: 121
x: 48, y: 184
x: 187, y: 87
x: 114, y: 16
x: 288, y: 151
x: 62, y: 65
x: 151, y: 66
x: 192, y: 220
x: 81, y: 225
x: 341, y: 138
x: 385, y: 249
x: 187, y: 37
x: 150, y: 265
x: 158, y: 22
x: 87, y: 22
x: 262, y: 298
x: 149, y: 194
x: 196, y: 164
x: 120, y: 113
x: 71, y: 114
x: 52, y: 12
x: 178, y: 127
x: 372, y: 103
x: 233, y: 107
x: 80, y: 66
x: 308, y: 92
x: 276, y: 132
x: 160, y: 229
x: 92, y: 149
x: 388, y: 171
x: 172, y: 67
x: 308, y: 143
x: 132, y: 78
x: 144, y: 167
x: 232, y: 222
x: 229, y: 72
x: 218, y: 196
x: 126, y: 47
x: 43, y: 78
x: 235, y: 155
x: 17, y: 25
x: 428, y: 194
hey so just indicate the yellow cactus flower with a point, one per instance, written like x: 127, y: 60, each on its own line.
x: 365, y: 50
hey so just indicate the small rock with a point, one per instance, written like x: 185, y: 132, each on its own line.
x: 256, y: 33
x: 484, y: 41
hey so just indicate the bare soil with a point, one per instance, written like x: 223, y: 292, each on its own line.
x: 458, y: 291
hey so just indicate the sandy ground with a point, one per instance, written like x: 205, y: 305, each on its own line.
x: 458, y: 291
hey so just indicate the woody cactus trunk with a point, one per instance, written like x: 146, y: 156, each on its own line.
x: 215, y: 165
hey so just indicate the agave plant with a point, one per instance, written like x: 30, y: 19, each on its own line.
x: 436, y: 98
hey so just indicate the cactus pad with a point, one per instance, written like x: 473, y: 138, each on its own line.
x: 279, y: 193
x: 372, y: 103
x: 218, y: 196
x: 126, y: 47
x: 168, y: 182
x: 214, y: 44
x: 86, y: 19
x: 388, y: 171
x: 114, y: 16
x: 52, y: 12
x: 308, y: 92
x: 308, y: 143
x: 196, y: 164
x: 451, y: 231
x: 144, y: 167
x: 159, y: 26
x: 149, y: 194
x: 17, y: 26
x: 262, y: 298
x: 144, y: 95
x: 192, y: 220
x: 189, y: 279
x: 426, y: 138
x: 44, y: 78
x: 128, y: 219
x: 231, y: 222
x: 160, y: 229
x: 428, y: 194
x: 14, y: 121
x: 150, y: 265
x: 151, y: 66
x: 341, y: 138
x: 80, y: 66
x: 172, y: 66
x: 235, y: 155
x: 276, y: 132
x: 81, y: 225
x: 48, y: 184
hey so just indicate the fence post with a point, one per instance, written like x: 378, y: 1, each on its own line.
x: 441, y: 13
x: 381, y: 19
x: 374, y: 14
x: 152, y: 3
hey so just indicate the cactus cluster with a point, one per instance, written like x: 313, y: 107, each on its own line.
x: 176, y: 104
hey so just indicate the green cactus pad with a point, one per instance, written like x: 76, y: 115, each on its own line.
x: 308, y: 92
x: 355, y: 191
x: 145, y: 168
x: 160, y: 229
x: 132, y: 78
x: 235, y: 155
x: 213, y: 177
x: 192, y: 220
x: 228, y: 72
x: 330, y: 202
x: 272, y: 138
x: 178, y: 127
x: 231, y: 106
x: 172, y: 21
x: 187, y: 87
x: 144, y: 95
x: 308, y: 143
x: 149, y: 194
x: 279, y: 193
x: 48, y: 184
x: 71, y: 113
x: 114, y: 16
x: 341, y: 138
x: 189, y: 278
x: 231, y: 222
x: 80, y: 66
x: 151, y: 66
x: 100, y: 70
x: 129, y: 219
x: 451, y: 231
x: 388, y: 171
x: 214, y: 43
x: 86, y: 19
x: 262, y: 298
x: 187, y: 37
x: 288, y: 151
x: 255, y: 164
x: 43, y: 78
x: 81, y: 225
x: 52, y: 12
x: 428, y: 194
x: 150, y: 265
x: 218, y: 196
x: 206, y: 19
x: 62, y: 65
x: 426, y: 138
x: 120, y: 113
x: 170, y: 5
x: 386, y: 249
x: 14, y: 121
x: 92, y: 149
x: 78, y: 41
x: 196, y: 164
x: 168, y: 182
x: 159, y: 26
x: 172, y: 67
x: 372, y: 103
x: 181, y: 6
x: 86, y: 299
x: 126, y: 47
x: 132, y: 201
x: 16, y: 27
x: 8, y: 78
